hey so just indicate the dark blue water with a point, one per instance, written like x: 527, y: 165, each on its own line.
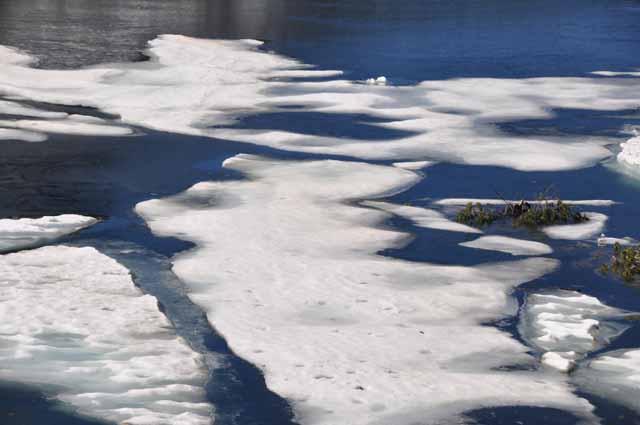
x: 406, y: 40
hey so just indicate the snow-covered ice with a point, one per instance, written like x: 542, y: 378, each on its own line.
x: 566, y: 325
x: 24, y: 233
x: 509, y: 245
x: 607, y: 240
x: 630, y: 153
x: 22, y: 135
x: 197, y: 86
x: 286, y: 269
x: 413, y: 165
x: 73, y: 124
x: 73, y: 319
x: 578, y: 231
x: 614, y: 375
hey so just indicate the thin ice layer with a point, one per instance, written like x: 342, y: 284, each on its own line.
x: 202, y: 87
x: 286, y: 269
x: 72, y: 318
x: 565, y: 325
x: 614, y: 375
x: 586, y: 230
x: 16, y: 234
x: 509, y: 245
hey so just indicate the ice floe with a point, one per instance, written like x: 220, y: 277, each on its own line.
x: 286, y: 270
x: 578, y: 231
x: 565, y: 325
x: 607, y: 240
x: 413, y: 165
x: 509, y: 245
x: 422, y: 217
x: 73, y: 124
x: 630, y: 153
x: 14, y: 108
x: 614, y: 375
x: 21, y: 233
x: 72, y: 320
x: 198, y: 87
x: 22, y: 135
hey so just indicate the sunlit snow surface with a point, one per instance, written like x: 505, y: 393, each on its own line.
x: 566, y: 325
x: 287, y: 271
x: 197, y: 86
x: 286, y: 266
x: 16, y: 234
x: 72, y: 318
x: 615, y: 375
x: 509, y: 245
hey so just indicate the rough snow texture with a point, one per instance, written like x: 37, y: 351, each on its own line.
x: 422, y: 217
x: 566, y: 325
x: 509, y: 245
x: 579, y: 231
x: 21, y: 135
x: 286, y: 270
x: 16, y: 234
x: 614, y: 375
x: 197, y: 86
x: 630, y: 153
x: 72, y: 318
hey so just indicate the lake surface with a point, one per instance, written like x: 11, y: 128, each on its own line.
x: 407, y: 41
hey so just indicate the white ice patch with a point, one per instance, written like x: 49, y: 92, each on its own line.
x: 413, y: 165
x: 22, y: 135
x: 614, y: 375
x: 381, y: 81
x: 13, y: 108
x: 286, y: 270
x: 566, y: 325
x: 72, y: 318
x: 509, y: 245
x: 16, y: 234
x: 422, y: 217
x: 606, y: 240
x: 616, y: 74
x: 630, y: 153
x: 578, y: 231
x: 196, y: 86
x: 73, y: 124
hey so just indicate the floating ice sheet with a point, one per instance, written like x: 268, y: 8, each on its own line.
x: 578, y: 231
x: 72, y: 318
x: 630, y: 153
x: 565, y: 325
x: 197, y: 86
x: 509, y: 245
x: 286, y: 270
x: 16, y: 234
x: 614, y: 375
x: 73, y: 124
x: 22, y: 135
